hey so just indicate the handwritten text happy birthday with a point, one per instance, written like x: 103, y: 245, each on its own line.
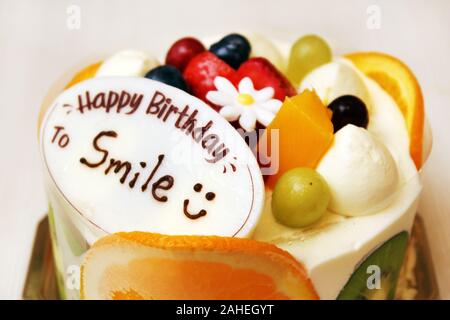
x: 183, y: 119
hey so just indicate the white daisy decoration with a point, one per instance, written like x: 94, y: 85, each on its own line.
x: 245, y: 104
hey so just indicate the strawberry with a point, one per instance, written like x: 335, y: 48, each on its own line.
x: 265, y: 74
x: 201, y: 72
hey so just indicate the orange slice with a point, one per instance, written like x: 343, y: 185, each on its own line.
x: 398, y: 80
x: 305, y: 132
x: 140, y: 265
x: 84, y: 74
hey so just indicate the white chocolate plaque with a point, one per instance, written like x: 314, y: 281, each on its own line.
x: 134, y: 154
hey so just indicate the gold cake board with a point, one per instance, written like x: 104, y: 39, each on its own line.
x: 417, y: 280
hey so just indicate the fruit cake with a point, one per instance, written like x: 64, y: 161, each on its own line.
x: 332, y: 147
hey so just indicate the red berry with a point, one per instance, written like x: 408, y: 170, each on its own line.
x: 265, y: 74
x: 201, y: 72
x: 182, y: 51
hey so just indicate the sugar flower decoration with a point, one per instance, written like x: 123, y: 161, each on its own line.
x: 245, y: 104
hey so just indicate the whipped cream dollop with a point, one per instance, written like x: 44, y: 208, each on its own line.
x: 132, y: 63
x: 336, y: 79
x: 360, y: 172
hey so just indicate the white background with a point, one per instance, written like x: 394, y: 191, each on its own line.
x: 36, y: 47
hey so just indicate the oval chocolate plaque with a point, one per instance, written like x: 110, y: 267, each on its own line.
x: 134, y: 154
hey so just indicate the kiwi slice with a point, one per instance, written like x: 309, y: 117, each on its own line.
x: 388, y: 258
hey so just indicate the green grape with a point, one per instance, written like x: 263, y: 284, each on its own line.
x: 300, y: 197
x: 307, y: 53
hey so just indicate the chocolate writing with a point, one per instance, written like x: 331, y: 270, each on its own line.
x: 119, y: 102
x: 208, y: 196
x: 62, y: 139
x: 183, y: 119
x: 124, y: 168
x: 186, y: 120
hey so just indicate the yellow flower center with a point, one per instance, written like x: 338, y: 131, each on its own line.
x: 245, y: 99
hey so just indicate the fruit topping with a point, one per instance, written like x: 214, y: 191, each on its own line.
x: 263, y: 47
x: 245, y: 105
x: 141, y: 265
x: 201, y: 72
x: 360, y: 172
x: 168, y: 75
x: 234, y: 49
x: 348, y: 109
x: 127, y: 63
x: 307, y: 53
x: 300, y: 198
x: 398, y: 80
x: 182, y: 51
x: 305, y: 133
x: 264, y: 74
x: 388, y: 258
x: 84, y: 74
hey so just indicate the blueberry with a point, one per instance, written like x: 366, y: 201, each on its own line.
x: 348, y: 109
x: 233, y: 49
x: 168, y: 75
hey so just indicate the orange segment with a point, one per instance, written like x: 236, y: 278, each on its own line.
x: 397, y: 80
x: 86, y: 73
x: 305, y: 134
x: 140, y: 265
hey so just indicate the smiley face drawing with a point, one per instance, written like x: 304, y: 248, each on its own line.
x: 208, y: 196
